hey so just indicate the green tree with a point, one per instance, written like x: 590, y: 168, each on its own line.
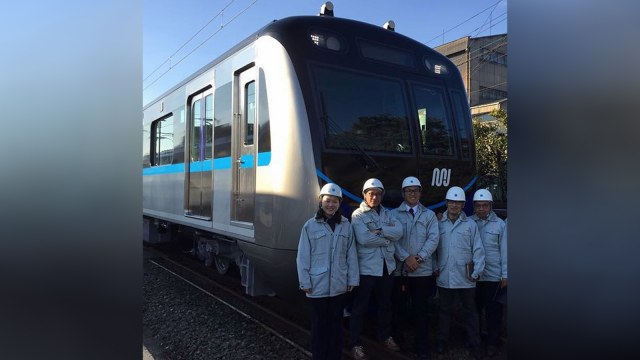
x: 491, y: 154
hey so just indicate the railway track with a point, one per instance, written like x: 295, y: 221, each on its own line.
x: 285, y: 321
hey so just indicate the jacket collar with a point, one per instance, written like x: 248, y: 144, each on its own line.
x: 364, y: 207
x: 462, y: 217
x: 404, y: 207
x: 491, y: 217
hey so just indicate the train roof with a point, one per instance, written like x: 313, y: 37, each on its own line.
x: 289, y: 26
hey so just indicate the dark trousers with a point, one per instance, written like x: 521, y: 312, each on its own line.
x: 467, y: 299
x: 411, y: 299
x: 326, y: 327
x: 486, y: 300
x: 380, y: 287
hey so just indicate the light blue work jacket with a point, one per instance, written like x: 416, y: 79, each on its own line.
x: 494, y: 238
x: 420, y: 236
x: 375, y: 249
x: 460, y: 244
x: 327, y: 261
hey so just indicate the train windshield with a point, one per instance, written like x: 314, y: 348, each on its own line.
x: 363, y: 112
x: 368, y: 113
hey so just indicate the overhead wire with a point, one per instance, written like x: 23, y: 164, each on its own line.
x: 465, y: 21
x: 202, y: 43
x: 489, y: 17
x: 493, y: 23
x: 188, y: 41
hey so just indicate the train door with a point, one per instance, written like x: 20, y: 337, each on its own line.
x: 244, y: 164
x: 198, y: 172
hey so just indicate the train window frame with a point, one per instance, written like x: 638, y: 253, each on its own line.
x: 405, y: 148
x: 155, y: 152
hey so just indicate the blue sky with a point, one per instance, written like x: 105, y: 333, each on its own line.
x: 193, y: 32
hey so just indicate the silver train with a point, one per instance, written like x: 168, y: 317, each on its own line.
x: 234, y: 156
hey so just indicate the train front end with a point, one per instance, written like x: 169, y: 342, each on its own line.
x: 361, y: 101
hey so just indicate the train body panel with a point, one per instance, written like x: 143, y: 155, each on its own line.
x: 235, y: 155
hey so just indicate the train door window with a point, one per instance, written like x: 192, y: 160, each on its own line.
x: 162, y: 141
x: 222, y: 122
x: 461, y: 112
x: 250, y: 111
x: 435, y: 125
x: 362, y: 112
x: 201, y: 129
x: 196, y: 133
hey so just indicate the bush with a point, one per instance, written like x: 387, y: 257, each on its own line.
x: 491, y: 154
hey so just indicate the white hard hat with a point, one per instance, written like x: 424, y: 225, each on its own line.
x: 455, y: 193
x: 372, y: 183
x: 411, y: 181
x: 331, y: 189
x: 482, y: 195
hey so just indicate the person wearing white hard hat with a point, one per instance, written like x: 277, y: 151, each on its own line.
x: 494, y: 277
x: 376, y: 230
x: 327, y: 265
x: 414, y: 252
x: 460, y: 262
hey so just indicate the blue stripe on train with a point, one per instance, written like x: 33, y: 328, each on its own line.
x: 264, y: 159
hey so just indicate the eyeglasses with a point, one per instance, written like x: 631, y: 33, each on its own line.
x: 412, y: 191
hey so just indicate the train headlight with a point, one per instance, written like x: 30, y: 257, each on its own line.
x: 326, y: 41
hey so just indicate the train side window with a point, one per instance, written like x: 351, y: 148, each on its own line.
x: 162, y: 141
x: 264, y: 133
x: 461, y: 112
x: 222, y: 122
x: 146, y: 146
x: 435, y: 126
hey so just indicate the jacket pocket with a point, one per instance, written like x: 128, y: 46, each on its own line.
x: 463, y: 240
x: 492, y: 238
x: 318, y: 243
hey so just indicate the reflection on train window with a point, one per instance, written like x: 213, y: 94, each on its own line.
x: 264, y: 133
x: 461, y: 111
x: 362, y: 112
x: 250, y: 111
x: 222, y: 122
x: 208, y: 121
x: 201, y: 131
x: 435, y: 125
x: 162, y: 134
